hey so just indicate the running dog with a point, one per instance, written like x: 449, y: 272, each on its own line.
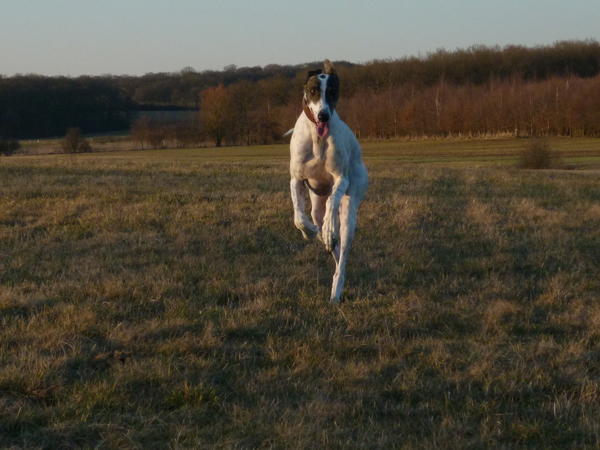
x: 326, y: 161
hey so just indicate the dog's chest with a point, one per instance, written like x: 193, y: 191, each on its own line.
x: 315, y: 171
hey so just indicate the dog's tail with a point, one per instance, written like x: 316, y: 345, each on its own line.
x: 288, y: 132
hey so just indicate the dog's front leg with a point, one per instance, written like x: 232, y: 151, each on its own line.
x: 348, y: 213
x: 331, y: 223
x: 301, y: 220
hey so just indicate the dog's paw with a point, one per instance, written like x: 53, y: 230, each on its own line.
x: 308, y: 230
x: 329, y: 234
x: 309, y: 233
x: 336, y: 300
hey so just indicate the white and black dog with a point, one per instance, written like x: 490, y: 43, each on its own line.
x: 326, y: 159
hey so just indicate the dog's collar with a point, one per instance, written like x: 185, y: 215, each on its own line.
x: 308, y: 112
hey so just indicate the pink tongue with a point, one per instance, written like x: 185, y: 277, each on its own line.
x: 322, y: 129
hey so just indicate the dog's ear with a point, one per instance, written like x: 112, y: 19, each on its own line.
x: 312, y: 73
x: 329, y: 69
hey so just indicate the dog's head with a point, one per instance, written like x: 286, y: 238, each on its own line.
x: 321, y: 93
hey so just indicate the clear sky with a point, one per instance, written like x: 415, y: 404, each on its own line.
x: 73, y: 37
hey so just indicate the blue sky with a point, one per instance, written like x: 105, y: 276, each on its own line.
x: 69, y: 37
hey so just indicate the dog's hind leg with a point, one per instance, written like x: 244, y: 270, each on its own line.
x: 348, y: 213
x: 301, y: 220
x: 331, y: 222
x: 318, y: 204
x: 318, y: 207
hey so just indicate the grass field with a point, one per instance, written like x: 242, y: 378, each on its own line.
x: 164, y: 299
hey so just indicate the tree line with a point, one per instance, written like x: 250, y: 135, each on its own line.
x: 558, y: 106
x: 35, y: 106
x: 479, y: 90
x: 476, y: 65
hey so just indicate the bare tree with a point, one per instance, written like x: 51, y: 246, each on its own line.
x: 216, y: 113
x: 74, y: 142
x: 140, y: 131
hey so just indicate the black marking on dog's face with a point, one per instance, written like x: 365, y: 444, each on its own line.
x: 332, y: 90
x: 314, y: 87
x: 312, y: 73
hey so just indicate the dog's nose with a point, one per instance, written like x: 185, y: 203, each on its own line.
x: 323, y: 116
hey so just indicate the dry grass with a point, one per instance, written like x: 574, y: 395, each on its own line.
x: 164, y: 299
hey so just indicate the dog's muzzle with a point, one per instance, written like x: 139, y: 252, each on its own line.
x: 323, y: 124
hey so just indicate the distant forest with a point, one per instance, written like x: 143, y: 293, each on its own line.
x: 545, y: 90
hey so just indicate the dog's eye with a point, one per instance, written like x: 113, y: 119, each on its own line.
x: 313, y: 91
